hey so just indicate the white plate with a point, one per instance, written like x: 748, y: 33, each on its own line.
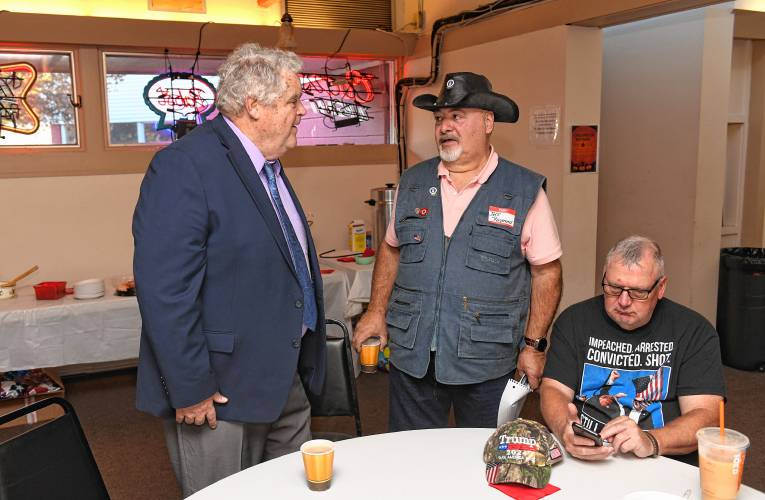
x: 652, y: 495
x: 90, y: 282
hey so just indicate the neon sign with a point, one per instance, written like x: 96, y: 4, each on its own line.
x: 356, y: 86
x: 185, y: 96
x: 341, y: 99
x: 16, y: 80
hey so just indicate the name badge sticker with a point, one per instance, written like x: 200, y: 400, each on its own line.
x: 502, y: 216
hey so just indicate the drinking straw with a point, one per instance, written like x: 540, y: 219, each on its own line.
x: 722, y: 419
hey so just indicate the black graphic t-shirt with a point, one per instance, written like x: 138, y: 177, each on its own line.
x: 638, y: 373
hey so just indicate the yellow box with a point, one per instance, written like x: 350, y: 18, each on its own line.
x: 357, y: 236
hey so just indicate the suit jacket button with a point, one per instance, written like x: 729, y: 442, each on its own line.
x: 298, y: 304
x: 296, y: 344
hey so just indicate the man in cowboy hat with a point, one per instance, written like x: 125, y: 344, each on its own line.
x: 469, y: 267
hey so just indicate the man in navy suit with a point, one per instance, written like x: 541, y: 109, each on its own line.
x: 228, y: 281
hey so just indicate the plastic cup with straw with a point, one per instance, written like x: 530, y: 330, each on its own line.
x: 721, y: 459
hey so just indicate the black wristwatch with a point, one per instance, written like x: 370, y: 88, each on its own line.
x: 538, y: 344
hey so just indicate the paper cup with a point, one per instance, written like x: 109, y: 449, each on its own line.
x: 370, y: 352
x: 721, y: 462
x: 318, y: 456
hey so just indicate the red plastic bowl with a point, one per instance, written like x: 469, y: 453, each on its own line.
x: 50, y: 290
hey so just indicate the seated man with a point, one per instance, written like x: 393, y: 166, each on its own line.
x: 640, y: 370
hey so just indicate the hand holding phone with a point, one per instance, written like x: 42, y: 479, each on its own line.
x: 582, y: 431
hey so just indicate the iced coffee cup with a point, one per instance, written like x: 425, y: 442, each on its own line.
x: 721, y: 462
x: 318, y: 456
x: 370, y: 351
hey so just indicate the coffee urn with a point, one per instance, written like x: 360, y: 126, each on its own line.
x: 382, y: 202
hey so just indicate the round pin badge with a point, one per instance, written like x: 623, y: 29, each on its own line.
x: 449, y: 83
x: 433, y: 191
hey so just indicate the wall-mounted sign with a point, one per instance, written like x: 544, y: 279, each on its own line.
x: 584, y: 148
x: 340, y: 99
x: 544, y: 124
x: 195, y: 6
x: 16, y: 115
x: 183, y: 96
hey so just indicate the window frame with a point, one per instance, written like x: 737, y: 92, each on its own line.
x: 74, y: 59
x: 115, y: 51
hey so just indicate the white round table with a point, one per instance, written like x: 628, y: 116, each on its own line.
x: 448, y: 463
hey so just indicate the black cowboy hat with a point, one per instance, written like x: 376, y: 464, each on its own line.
x: 469, y: 90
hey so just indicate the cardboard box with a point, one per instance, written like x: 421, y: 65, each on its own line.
x: 48, y: 413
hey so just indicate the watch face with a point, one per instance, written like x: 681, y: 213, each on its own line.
x: 538, y: 344
x: 542, y: 344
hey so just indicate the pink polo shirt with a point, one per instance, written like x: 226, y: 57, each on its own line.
x: 539, y: 236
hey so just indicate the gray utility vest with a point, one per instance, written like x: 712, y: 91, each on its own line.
x: 466, y: 297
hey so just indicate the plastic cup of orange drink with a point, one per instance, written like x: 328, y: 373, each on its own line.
x: 721, y: 462
x: 370, y: 351
x: 318, y: 456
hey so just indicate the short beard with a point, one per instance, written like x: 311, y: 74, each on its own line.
x: 451, y: 154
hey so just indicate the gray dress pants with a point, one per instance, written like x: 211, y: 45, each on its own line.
x: 201, y: 456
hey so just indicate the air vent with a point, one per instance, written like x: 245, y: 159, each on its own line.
x: 366, y: 14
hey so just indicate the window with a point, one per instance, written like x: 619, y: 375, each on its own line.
x: 36, y: 103
x: 347, y: 101
x: 131, y: 119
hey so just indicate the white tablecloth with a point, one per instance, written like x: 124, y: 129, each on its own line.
x: 336, y: 289
x: 41, y: 333
x: 448, y: 463
x: 360, y: 280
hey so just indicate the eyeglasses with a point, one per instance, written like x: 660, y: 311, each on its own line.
x: 634, y: 293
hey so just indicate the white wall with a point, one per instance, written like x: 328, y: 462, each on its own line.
x: 80, y: 227
x: 558, y: 66
x: 72, y: 227
x: 665, y: 100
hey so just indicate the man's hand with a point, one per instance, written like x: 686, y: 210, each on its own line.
x: 371, y: 324
x: 198, y: 413
x: 625, y: 436
x: 531, y: 362
x: 578, y: 446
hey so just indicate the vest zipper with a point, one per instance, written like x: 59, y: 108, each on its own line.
x: 433, y: 343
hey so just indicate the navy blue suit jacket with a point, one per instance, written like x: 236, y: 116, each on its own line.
x: 218, y: 292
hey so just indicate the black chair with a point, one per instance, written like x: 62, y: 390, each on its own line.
x: 50, y: 461
x: 339, y: 397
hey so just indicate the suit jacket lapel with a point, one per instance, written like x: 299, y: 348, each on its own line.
x: 249, y: 177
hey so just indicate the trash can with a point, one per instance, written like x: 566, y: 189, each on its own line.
x: 741, y: 307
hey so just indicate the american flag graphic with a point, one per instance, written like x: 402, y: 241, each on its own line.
x: 491, y: 472
x: 649, y: 389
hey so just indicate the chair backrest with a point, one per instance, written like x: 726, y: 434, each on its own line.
x: 339, y: 397
x: 50, y: 461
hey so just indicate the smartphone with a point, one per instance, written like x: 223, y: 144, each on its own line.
x: 580, y: 430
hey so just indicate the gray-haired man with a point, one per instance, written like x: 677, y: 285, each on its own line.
x: 228, y: 281
x: 640, y: 370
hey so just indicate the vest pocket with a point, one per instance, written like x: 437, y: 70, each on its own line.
x: 489, y: 253
x: 403, y: 317
x: 488, y: 331
x: 411, y: 244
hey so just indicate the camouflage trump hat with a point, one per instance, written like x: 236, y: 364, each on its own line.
x: 521, y: 451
